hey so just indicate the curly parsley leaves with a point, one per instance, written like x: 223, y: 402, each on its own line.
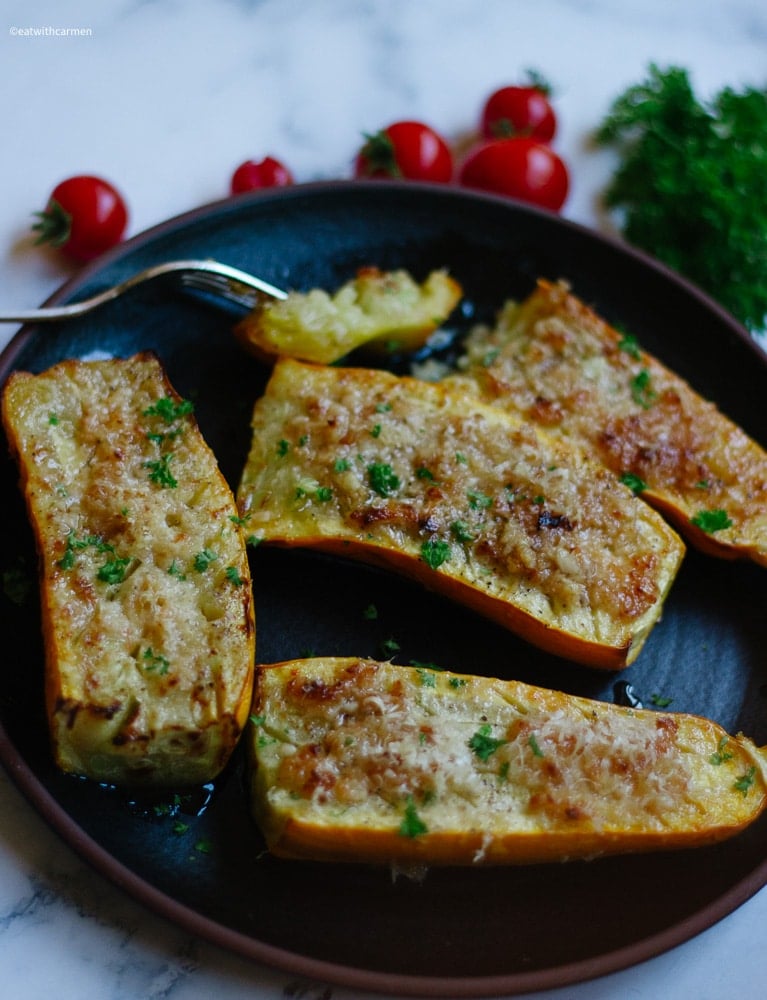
x: 412, y: 825
x: 691, y: 184
x: 711, y: 520
x: 483, y: 744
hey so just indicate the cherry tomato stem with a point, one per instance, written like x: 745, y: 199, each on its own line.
x: 519, y: 111
x: 408, y: 150
x: 85, y: 215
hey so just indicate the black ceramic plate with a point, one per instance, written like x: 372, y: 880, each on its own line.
x: 457, y: 932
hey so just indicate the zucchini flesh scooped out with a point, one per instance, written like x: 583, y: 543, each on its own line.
x: 355, y: 760
x: 387, y: 312
x: 470, y: 501
x: 555, y: 362
x: 146, y: 598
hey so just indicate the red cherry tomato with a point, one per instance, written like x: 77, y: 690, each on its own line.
x: 84, y: 216
x: 266, y: 173
x: 409, y: 150
x: 519, y: 168
x: 523, y: 111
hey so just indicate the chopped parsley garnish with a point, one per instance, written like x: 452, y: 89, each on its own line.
x: 67, y: 561
x: 160, y: 437
x: 174, y: 570
x: 424, y: 473
x: 745, y: 781
x: 167, y: 808
x: 53, y: 419
x: 461, y: 533
x: 283, y: 447
x: 479, y: 500
x: 233, y: 575
x: 341, y: 464
x: 483, y: 744
x: 642, y: 391
x: 427, y: 677
x: 532, y: 742
x: 370, y: 612
x: 203, y: 560
x: 383, y: 407
x: 389, y: 647
x: 457, y: 682
x: 113, y: 570
x: 435, y: 552
x: 659, y: 700
x: 155, y: 662
x: 629, y: 345
x: 382, y: 479
x: 324, y: 493
x: 634, y: 483
x: 721, y: 754
x: 75, y: 544
x: 711, y: 520
x: 375, y: 431
x: 169, y: 409
x: 159, y: 471
x: 179, y: 827
x: 203, y: 846
x: 412, y: 825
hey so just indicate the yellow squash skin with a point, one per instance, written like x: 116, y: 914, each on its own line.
x: 354, y: 760
x: 146, y: 597
x: 384, y: 311
x: 470, y: 501
x: 555, y: 362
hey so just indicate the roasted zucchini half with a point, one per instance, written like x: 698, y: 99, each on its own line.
x: 354, y: 760
x: 146, y: 598
x: 552, y: 360
x: 470, y: 501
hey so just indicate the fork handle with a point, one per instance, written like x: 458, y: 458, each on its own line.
x: 50, y: 313
x: 42, y: 315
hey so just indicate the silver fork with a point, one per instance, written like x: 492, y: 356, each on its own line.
x: 209, y: 276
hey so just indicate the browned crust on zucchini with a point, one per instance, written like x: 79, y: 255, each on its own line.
x: 353, y: 760
x: 469, y: 501
x: 149, y: 653
x: 554, y: 361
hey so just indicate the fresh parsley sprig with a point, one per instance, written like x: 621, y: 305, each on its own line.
x: 691, y: 184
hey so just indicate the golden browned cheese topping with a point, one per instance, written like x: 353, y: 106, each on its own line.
x: 357, y: 743
x: 465, y: 490
x: 554, y: 361
x: 147, y: 606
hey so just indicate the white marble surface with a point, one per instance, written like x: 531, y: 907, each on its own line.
x: 166, y: 99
